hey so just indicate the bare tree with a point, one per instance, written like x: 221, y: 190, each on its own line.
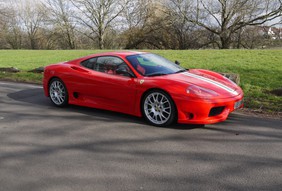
x: 10, y: 23
x: 136, y: 15
x: 32, y: 16
x: 2, y: 12
x: 13, y: 33
x: 150, y: 25
x: 61, y: 13
x: 98, y: 16
x: 226, y: 17
x: 2, y: 22
x: 161, y: 24
x: 3, y: 17
x: 180, y: 28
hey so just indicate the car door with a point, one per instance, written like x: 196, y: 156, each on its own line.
x: 103, y: 88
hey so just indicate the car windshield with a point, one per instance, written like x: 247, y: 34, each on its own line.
x: 153, y: 65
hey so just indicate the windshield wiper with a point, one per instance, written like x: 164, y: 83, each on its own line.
x: 156, y: 74
x: 182, y: 70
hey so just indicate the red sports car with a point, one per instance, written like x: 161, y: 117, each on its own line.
x: 143, y: 84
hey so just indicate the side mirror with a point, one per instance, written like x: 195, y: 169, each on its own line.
x: 177, y: 63
x: 124, y: 72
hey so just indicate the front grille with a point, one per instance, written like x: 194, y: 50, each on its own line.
x: 216, y: 111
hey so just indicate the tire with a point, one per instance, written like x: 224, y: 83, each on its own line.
x: 158, y: 108
x: 58, y: 93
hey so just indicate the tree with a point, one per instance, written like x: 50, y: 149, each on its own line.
x: 2, y: 12
x: 61, y: 13
x: 184, y: 33
x: 225, y: 18
x: 2, y: 23
x: 13, y: 33
x: 136, y: 13
x: 149, y: 26
x: 32, y: 16
x: 98, y: 17
x: 135, y: 18
x: 10, y: 26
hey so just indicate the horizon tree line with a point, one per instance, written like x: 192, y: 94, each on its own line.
x: 138, y: 24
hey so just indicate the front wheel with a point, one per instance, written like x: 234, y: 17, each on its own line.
x: 58, y: 92
x: 158, y: 108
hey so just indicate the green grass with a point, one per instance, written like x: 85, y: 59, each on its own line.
x: 260, y: 70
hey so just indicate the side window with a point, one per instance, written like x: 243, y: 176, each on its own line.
x: 109, y: 65
x: 90, y: 63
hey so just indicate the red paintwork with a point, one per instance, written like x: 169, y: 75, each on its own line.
x: 124, y: 94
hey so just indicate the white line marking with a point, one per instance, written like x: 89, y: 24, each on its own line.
x: 220, y: 85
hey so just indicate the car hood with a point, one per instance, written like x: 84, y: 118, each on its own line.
x: 209, y: 80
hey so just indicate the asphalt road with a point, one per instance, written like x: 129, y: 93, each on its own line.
x: 46, y: 148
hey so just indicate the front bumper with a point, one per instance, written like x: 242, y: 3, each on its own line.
x: 200, y: 111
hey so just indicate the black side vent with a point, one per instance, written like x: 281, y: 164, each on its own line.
x: 75, y: 95
x: 216, y: 111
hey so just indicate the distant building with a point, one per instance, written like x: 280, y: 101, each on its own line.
x: 273, y: 33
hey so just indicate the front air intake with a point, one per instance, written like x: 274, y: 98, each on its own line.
x: 216, y: 111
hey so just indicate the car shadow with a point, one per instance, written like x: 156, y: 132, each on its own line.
x: 33, y: 96
x: 36, y: 97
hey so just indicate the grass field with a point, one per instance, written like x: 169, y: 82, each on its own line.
x: 260, y: 70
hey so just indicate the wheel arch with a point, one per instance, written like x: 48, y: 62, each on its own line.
x: 66, y: 90
x: 157, y: 89
x: 47, y: 85
x: 52, y: 78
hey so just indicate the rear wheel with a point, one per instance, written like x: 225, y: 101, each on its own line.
x: 58, y: 92
x: 158, y: 108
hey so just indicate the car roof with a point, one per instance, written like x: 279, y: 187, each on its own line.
x: 118, y: 53
x: 110, y: 53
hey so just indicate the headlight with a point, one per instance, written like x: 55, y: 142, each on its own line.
x: 201, y: 92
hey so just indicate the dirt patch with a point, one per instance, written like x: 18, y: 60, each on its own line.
x: 37, y: 70
x: 234, y: 77
x: 9, y: 70
x: 277, y: 92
